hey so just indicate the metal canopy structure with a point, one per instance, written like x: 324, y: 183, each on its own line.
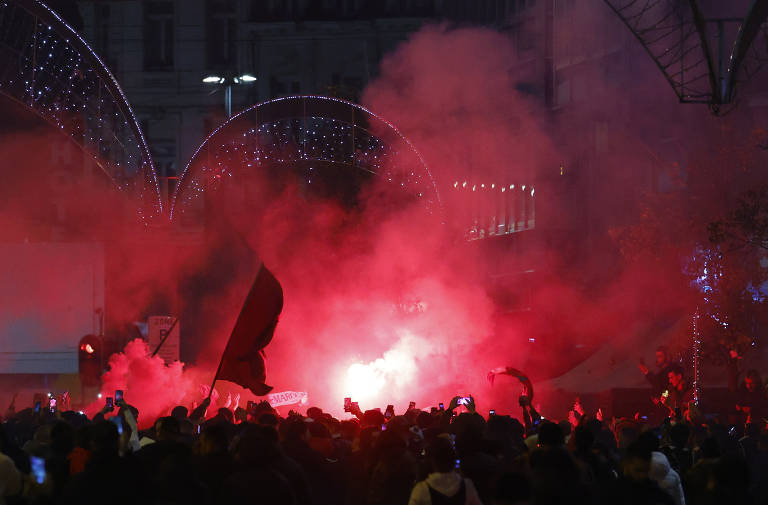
x: 319, y: 140
x: 691, y: 49
x: 49, y: 69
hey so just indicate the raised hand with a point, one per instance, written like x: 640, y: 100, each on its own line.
x: 578, y: 408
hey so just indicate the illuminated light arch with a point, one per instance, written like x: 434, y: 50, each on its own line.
x: 47, y: 67
x: 309, y: 130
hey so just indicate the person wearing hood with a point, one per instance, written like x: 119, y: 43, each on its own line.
x: 666, y: 477
x: 444, y: 485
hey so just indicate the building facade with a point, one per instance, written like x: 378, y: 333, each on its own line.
x: 160, y: 50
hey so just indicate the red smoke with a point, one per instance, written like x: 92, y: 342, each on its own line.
x: 147, y: 382
x: 384, y: 302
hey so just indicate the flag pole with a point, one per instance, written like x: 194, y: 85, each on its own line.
x: 215, y: 377
x: 221, y: 360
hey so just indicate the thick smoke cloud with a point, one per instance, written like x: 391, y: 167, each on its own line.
x: 386, y: 302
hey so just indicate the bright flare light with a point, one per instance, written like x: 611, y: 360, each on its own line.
x: 387, y: 377
x: 213, y: 79
x: 364, y: 382
x: 247, y: 78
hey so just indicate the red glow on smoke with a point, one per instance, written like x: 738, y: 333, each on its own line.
x: 383, y: 302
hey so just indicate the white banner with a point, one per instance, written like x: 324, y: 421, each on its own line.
x: 158, y: 330
x: 287, y: 398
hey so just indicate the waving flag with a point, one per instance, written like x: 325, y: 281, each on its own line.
x: 243, y: 358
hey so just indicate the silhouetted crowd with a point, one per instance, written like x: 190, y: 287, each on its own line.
x: 447, y: 455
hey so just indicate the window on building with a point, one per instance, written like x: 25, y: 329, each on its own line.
x: 221, y: 34
x: 270, y: 10
x: 422, y: 8
x: 102, y: 25
x: 158, y: 35
x: 276, y: 87
x: 164, y: 156
x: 395, y: 7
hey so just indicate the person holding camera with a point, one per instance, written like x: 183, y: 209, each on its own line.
x: 678, y: 393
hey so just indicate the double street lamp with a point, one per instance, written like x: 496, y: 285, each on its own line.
x: 227, y: 81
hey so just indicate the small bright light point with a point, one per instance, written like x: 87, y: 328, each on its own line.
x: 531, y: 340
x: 98, y: 395
x: 522, y: 187
x: 247, y: 78
x: 211, y: 79
x: 503, y: 189
x: 532, y: 190
x: 455, y: 184
x: 464, y: 184
x: 80, y: 412
x: 482, y: 185
x: 511, y: 186
x: 474, y: 187
x: 49, y: 395
x: 493, y: 186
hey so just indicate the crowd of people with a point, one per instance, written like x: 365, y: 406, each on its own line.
x: 448, y: 455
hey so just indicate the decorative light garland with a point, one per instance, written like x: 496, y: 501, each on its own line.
x: 314, y: 141
x: 696, y: 358
x: 52, y: 70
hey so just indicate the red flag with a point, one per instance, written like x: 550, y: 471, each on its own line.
x: 243, y: 359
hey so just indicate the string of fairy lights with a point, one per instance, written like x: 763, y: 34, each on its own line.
x: 696, y: 356
x: 317, y: 149
x: 49, y: 68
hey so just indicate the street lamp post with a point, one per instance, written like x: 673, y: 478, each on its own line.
x: 227, y: 81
